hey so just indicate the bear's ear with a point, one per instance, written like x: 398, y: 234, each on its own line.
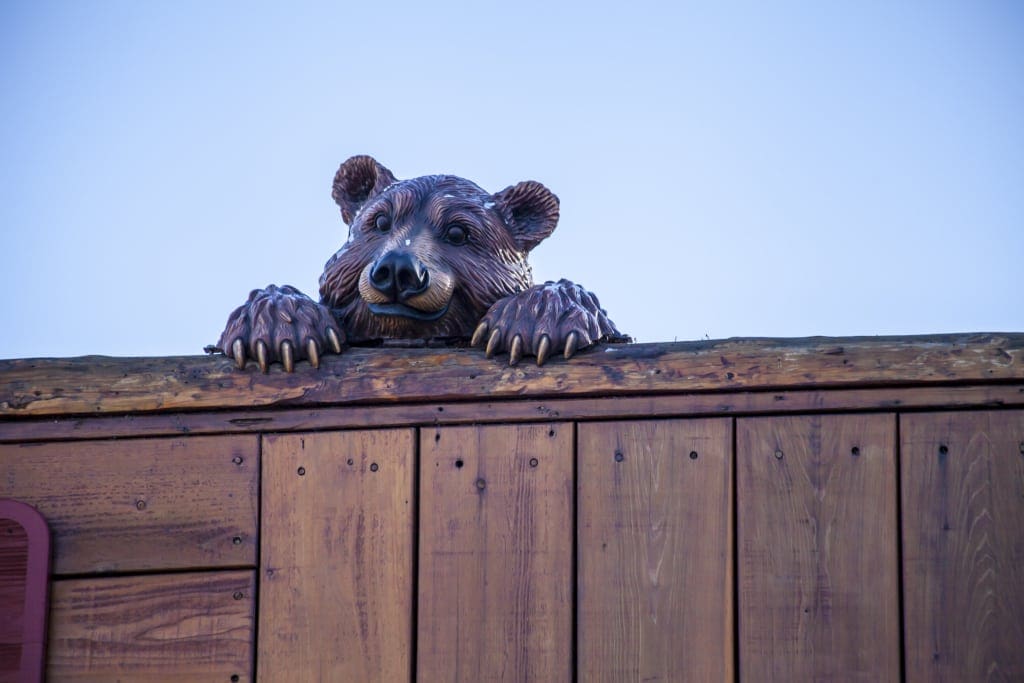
x: 530, y: 211
x: 357, y: 181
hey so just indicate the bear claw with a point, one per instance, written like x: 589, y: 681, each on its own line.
x: 313, y: 353
x: 515, y: 353
x: 332, y: 337
x: 543, y: 349
x: 261, y: 356
x: 478, y: 335
x: 570, y: 344
x: 287, y: 356
x: 238, y: 351
x: 493, y: 343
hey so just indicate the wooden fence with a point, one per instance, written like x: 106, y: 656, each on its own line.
x: 789, y: 510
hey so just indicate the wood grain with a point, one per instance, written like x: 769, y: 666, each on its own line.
x: 141, y: 504
x: 963, y: 545
x: 174, y: 627
x: 817, y: 548
x: 336, y: 596
x: 96, y: 384
x: 495, y: 572
x: 691, y: 404
x: 655, y: 551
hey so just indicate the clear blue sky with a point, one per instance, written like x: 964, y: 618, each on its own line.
x: 756, y: 169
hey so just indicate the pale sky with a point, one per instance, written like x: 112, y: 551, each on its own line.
x: 724, y: 169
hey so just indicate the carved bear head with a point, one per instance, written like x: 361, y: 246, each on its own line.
x: 427, y: 257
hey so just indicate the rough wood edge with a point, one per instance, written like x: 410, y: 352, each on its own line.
x: 104, y: 385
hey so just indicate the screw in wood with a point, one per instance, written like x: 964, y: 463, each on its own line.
x: 238, y: 460
x: 459, y: 464
x: 534, y: 462
x: 943, y: 449
x: 1022, y: 447
x: 237, y: 540
x: 301, y: 471
x: 140, y: 505
x: 778, y: 454
x: 855, y: 450
x: 619, y: 457
x: 481, y: 484
x: 238, y: 595
x: 235, y: 678
x: 349, y: 462
x: 693, y: 455
x: 374, y: 467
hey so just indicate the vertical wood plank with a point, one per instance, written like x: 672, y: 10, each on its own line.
x: 963, y: 545
x: 817, y: 544
x: 337, y: 556
x: 496, y: 531
x: 655, y: 540
x: 141, y: 504
x: 153, y: 628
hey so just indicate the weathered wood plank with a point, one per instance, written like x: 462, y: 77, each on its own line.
x: 655, y: 551
x: 963, y: 545
x: 509, y: 410
x: 817, y: 548
x: 171, y: 627
x: 97, y: 384
x: 336, y: 596
x: 141, y: 504
x: 495, y: 571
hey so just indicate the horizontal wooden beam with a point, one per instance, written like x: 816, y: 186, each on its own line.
x: 696, y: 404
x: 104, y: 385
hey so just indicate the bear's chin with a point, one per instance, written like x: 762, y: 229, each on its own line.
x: 398, y: 321
x: 403, y: 311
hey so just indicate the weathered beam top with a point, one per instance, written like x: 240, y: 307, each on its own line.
x: 104, y: 385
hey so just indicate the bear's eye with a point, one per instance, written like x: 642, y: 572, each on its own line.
x: 382, y: 222
x: 456, y: 234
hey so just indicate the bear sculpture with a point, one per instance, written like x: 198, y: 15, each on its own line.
x: 434, y: 257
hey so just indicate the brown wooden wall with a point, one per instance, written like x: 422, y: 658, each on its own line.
x: 841, y: 509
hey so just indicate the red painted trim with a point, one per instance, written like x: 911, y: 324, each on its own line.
x: 37, y: 581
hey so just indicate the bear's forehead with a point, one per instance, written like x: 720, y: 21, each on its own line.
x: 434, y: 191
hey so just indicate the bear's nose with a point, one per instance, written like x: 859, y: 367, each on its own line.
x: 399, y: 276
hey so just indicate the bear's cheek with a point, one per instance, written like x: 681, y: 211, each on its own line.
x: 438, y: 294
x: 340, y: 277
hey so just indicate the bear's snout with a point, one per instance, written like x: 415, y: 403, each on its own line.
x: 399, y: 276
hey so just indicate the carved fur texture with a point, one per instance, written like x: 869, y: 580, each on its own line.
x: 430, y: 257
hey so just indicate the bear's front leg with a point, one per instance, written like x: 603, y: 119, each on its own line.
x: 559, y: 316
x: 280, y: 324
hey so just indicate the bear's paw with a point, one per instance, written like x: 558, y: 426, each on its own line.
x: 559, y: 317
x: 280, y: 325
